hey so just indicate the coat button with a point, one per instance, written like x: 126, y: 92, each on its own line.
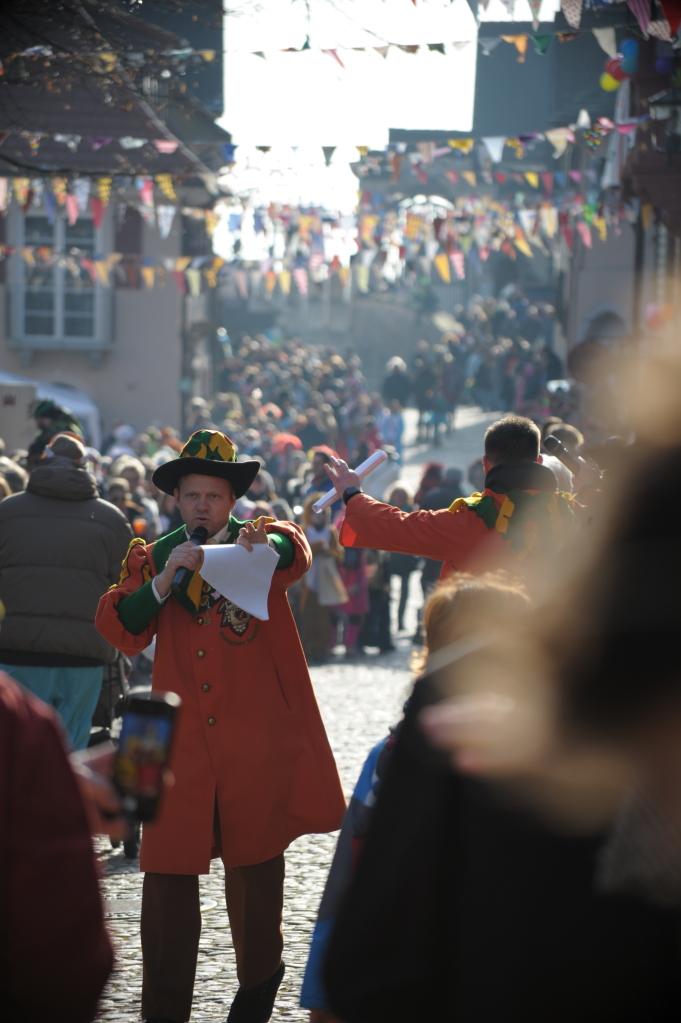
x: 211, y: 721
x: 205, y: 687
x: 200, y: 653
x: 199, y: 621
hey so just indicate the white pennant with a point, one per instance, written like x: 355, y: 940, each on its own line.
x: 494, y: 145
x: 165, y: 215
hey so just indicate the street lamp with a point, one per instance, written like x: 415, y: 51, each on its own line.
x: 666, y: 106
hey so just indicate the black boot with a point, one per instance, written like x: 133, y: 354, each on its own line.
x: 255, y: 1004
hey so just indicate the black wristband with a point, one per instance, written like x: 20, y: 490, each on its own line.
x: 350, y: 492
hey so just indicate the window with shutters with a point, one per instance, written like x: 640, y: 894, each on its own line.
x: 54, y: 301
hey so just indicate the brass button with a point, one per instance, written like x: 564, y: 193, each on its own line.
x: 211, y: 721
x: 205, y: 687
x: 200, y: 653
x: 199, y: 621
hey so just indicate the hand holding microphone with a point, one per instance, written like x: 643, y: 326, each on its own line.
x: 585, y: 475
x: 198, y: 537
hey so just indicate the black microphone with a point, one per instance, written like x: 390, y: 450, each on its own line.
x: 556, y: 448
x: 198, y: 537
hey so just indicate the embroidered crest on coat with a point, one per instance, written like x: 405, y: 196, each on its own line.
x: 234, y: 617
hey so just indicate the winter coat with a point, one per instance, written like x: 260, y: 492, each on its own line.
x: 250, y: 739
x: 61, y: 548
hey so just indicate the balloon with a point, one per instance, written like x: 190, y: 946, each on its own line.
x: 614, y: 67
x: 629, y: 65
x: 608, y: 82
x: 629, y: 48
x: 665, y: 65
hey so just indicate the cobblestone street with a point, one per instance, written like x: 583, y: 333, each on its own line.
x: 359, y: 701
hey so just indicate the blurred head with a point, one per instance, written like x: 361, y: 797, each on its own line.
x: 511, y: 439
x: 569, y: 436
x: 319, y: 460
x: 118, y: 492
x: 312, y: 518
x: 400, y: 495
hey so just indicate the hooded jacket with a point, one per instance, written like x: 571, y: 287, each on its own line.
x: 61, y: 548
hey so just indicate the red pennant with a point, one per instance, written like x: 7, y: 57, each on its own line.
x: 179, y: 278
x: 97, y: 207
x: 672, y: 12
x: 568, y: 235
x: 500, y: 177
x: 547, y: 180
x: 453, y: 176
x: 88, y: 265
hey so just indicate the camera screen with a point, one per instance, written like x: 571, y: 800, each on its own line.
x: 142, y: 754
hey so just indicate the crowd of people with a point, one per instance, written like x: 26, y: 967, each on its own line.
x: 586, y: 840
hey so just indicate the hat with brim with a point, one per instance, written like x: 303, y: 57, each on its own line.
x: 208, y: 453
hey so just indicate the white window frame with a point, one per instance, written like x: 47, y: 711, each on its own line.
x: 101, y: 339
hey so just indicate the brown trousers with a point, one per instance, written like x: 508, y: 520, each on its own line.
x: 171, y: 927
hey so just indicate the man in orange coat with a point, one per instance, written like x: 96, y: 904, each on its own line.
x: 519, y: 517
x: 252, y: 764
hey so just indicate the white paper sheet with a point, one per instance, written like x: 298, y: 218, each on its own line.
x: 240, y: 575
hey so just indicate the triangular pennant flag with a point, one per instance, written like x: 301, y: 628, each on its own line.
x: 548, y: 218
x: 520, y: 43
x: 495, y: 147
x: 470, y: 177
x: 180, y: 281
x: 585, y: 233
x: 521, y: 243
x: 601, y: 226
x: 396, y: 160
x: 194, y: 281
x: 672, y: 12
x: 442, y: 266
x: 465, y: 145
x: 181, y: 263
x: 102, y: 271
x: 452, y: 176
x: 559, y: 138
x: 528, y: 219
x: 560, y: 177
x: 362, y: 277
x: 510, y: 7
x: 459, y: 263
x: 437, y: 47
x: 532, y: 178
x: 547, y: 182
x: 572, y: 9
x: 241, y: 278
x: 165, y: 215
x: 500, y: 177
x: 148, y: 271
x: 334, y: 54
x: 383, y: 50
x: 489, y: 45
x: 285, y: 282
x: 72, y: 209
x: 542, y: 43
x: 606, y: 39
x: 97, y: 207
x: 301, y: 279
x: 328, y: 152
x: 270, y: 281
x: 535, y: 7
x: 575, y: 175
x: 641, y: 10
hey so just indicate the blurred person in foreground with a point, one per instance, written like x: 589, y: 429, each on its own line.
x: 561, y: 877
x: 61, y: 548
x: 252, y: 764
x: 450, y: 613
x: 55, y: 953
x: 519, y: 517
x: 442, y: 496
x: 322, y: 587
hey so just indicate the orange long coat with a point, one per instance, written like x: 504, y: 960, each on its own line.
x: 250, y: 739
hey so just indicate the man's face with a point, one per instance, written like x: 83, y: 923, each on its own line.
x: 318, y: 464
x: 205, y: 501
x: 117, y: 496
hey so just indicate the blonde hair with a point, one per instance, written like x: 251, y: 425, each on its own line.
x: 463, y: 604
x: 307, y: 510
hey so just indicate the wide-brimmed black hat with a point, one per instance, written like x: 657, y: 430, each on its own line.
x: 208, y: 453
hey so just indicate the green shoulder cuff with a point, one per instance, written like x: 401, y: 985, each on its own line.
x: 138, y: 609
x: 285, y: 549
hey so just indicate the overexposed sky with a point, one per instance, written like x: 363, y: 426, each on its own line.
x: 306, y: 100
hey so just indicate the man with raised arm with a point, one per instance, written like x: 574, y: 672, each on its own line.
x: 519, y: 515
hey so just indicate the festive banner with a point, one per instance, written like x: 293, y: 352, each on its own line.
x: 441, y: 262
x: 495, y: 147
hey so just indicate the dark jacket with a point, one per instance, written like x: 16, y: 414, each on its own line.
x: 61, y: 548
